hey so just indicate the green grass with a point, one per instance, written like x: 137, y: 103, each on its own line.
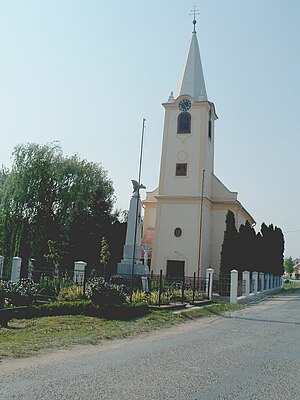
x: 291, y: 286
x: 27, y: 337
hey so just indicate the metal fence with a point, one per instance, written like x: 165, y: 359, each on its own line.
x: 182, y: 289
x: 221, y: 287
x: 241, y: 287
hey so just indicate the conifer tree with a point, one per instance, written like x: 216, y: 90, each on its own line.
x: 104, y: 254
x: 229, y: 246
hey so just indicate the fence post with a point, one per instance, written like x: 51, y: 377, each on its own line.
x: 209, y: 282
x: 267, y: 282
x: 182, y: 290
x: 233, y: 286
x: 272, y: 281
x: 194, y: 287
x: 79, y: 272
x: 16, y: 270
x: 160, y: 287
x: 262, y: 281
x: 1, y: 266
x: 246, y: 279
x: 30, y: 268
x: 255, y: 281
x: 150, y: 280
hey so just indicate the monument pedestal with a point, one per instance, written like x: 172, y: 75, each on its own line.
x: 132, y: 248
x: 125, y: 268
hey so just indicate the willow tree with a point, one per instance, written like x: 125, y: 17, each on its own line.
x: 46, y: 196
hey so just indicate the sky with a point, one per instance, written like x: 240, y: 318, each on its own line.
x: 86, y: 72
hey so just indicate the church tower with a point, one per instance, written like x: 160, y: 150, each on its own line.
x: 187, y: 211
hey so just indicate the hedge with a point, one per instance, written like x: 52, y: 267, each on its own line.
x: 84, y: 307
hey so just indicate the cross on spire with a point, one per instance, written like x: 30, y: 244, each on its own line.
x: 194, y: 12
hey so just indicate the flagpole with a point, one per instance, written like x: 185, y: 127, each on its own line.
x: 137, y: 208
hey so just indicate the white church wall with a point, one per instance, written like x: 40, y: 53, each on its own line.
x: 220, y: 191
x: 186, y: 148
x: 149, y: 215
x: 207, y: 239
x: 170, y: 247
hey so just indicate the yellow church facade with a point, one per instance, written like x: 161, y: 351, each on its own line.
x: 184, y: 218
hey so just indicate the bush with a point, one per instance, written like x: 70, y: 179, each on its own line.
x: 52, y: 285
x: 18, y: 294
x: 2, y: 299
x: 83, y: 307
x: 125, y: 281
x: 61, y: 308
x: 101, y: 292
x: 153, y: 298
x: 138, y: 297
x: 71, y: 293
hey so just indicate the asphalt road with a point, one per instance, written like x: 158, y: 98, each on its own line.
x: 253, y: 354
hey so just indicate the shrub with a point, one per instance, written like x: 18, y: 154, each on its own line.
x: 52, y: 285
x: 61, y: 308
x: 2, y: 299
x: 71, y: 293
x: 84, y: 307
x: 153, y: 298
x: 125, y: 281
x: 188, y: 295
x: 101, y: 292
x: 139, y: 296
x: 19, y: 294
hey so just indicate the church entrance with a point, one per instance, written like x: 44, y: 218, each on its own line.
x: 175, y: 270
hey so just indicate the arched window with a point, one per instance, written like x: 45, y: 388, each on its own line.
x: 184, y: 123
x: 209, y: 125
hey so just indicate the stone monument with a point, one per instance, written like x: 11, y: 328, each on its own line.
x: 132, y: 252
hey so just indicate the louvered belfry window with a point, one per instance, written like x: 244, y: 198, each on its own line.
x: 184, y: 123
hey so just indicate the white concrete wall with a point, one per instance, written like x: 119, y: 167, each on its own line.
x: 149, y: 205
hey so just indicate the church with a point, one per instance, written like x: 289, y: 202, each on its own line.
x: 184, y: 218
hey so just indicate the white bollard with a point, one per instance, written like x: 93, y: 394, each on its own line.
x: 246, y: 279
x: 16, y: 270
x: 79, y: 271
x: 233, y: 286
x: 255, y: 281
x: 1, y: 266
x: 209, y: 282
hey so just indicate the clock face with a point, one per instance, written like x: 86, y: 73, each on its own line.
x: 184, y: 105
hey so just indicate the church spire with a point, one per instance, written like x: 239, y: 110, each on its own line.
x: 192, y: 82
